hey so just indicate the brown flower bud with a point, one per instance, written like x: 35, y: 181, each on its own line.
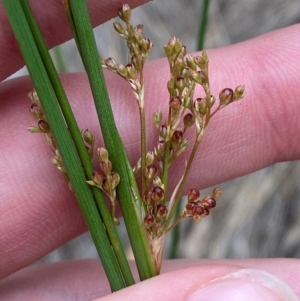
x: 119, y: 28
x: 163, y: 131
x: 188, y: 120
x: 209, y: 202
x: 206, y: 212
x: 160, y: 149
x: 175, y: 103
x: 191, y: 62
x: 200, y: 105
x: 239, y: 92
x: 97, y: 178
x: 189, y: 208
x: 111, y: 63
x: 36, y: 111
x: 198, y: 76
x: 168, y: 50
x: 43, y: 126
x: 199, y: 62
x: 157, y: 194
x: 149, y: 158
x: 198, y: 212
x: 149, y: 220
x: 121, y: 69
x: 180, y: 84
x: 193, y: 195
x: 146, y: 45
x: 161, y: 210
x: 217, y: 192
x: 177, y: 137
x: 34, y: 129
x: 138, y: 28
x: 106, y: 167
x: 147, y: 197
x: 88, y: 137
x: 177, y: 47
x: 102, y: 154
x: 150, y: 172
x: 125, y: 13
x: 114, y: 179
x: 131, y: 71
x: 225, y: 96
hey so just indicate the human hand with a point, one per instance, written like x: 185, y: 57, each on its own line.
x: 38, y: 213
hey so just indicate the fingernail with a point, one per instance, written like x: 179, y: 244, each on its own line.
x: 245, y: 284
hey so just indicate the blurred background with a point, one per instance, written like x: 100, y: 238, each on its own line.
x: 258, y: 215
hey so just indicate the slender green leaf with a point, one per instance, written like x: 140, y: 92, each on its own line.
x: 78, y: 141
x: 65, y: 144
x: 111, y: 137
x: 202, y: 25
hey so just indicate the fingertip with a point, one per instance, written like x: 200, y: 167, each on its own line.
x: 244, y: 284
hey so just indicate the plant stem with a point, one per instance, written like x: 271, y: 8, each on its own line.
x: 183, y: 180
x: 79, y: 144
x: 112, y: 140
x: 66, y: 147
x: 175, y: 234
x: 202, y: 25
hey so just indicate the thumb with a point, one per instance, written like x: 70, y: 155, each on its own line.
x: 210, y: 283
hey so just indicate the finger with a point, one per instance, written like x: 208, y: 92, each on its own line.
x: 54, y: 25
x: 255, y: 279
x: 38, y: 211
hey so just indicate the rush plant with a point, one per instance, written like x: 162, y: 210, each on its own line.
x: 142, y: 191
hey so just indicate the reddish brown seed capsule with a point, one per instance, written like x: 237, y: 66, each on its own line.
x: 209, y: 202
x: 36, y: 111
x: 200, y: 105
x: 149, y: 220
x: 188, y: 120
x: 193, y: 195
x: 148, y: 196
x: 177, y: 136
x: 198, y: 210
x: 97, y: 178
x: 150, y: 171
x: 43, y: 126
x: 161, y: 210
x: 226, y: 96
x: 157, y: 194
x: 189, y: 208
x: 175, y: 103
x: 180, y: 85
x: 206, y: 212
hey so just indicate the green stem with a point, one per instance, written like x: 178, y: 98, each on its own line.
x: 202, y: 25
x: 143, y: 147
x: 175, y: 234
x: 79, y: 144
x: 112, y: 139
x: 183, y: 180
x: 66, y: 147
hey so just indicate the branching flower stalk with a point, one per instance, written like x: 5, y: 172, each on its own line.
x: 133, y: 71
x: 185, y: 111
x: 187, y: 115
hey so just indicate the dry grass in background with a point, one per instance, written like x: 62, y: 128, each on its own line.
x: 258, y: 214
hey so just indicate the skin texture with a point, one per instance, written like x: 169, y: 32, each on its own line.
x: 38, y: 213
